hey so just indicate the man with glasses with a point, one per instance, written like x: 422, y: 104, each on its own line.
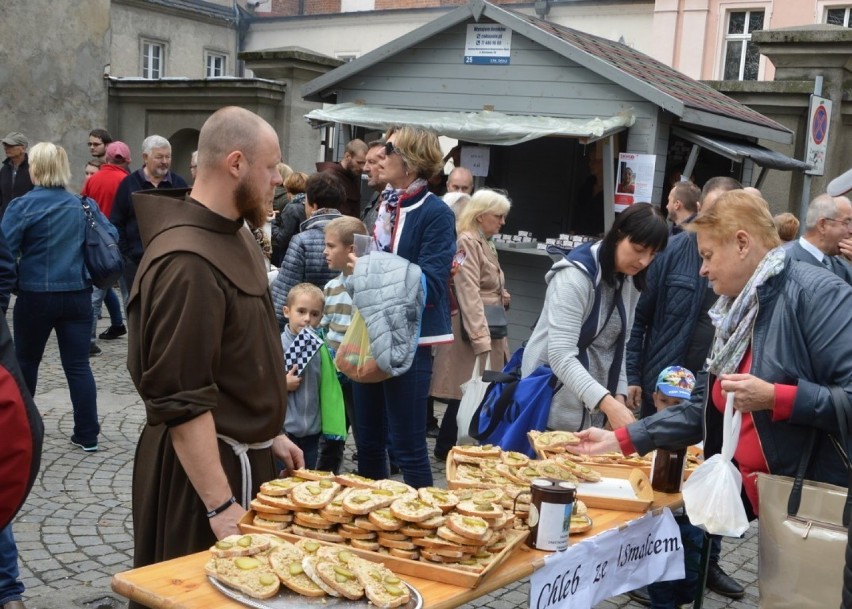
x: 98, y: 141
x: 154, y: 173
x: 15, y: 172
x: 827, y: 224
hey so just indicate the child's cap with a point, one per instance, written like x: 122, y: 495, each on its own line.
x: 676, y: 382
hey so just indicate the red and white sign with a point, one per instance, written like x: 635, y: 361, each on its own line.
x: 819, y: 120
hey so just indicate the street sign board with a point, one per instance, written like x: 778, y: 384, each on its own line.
x: 819, y: 120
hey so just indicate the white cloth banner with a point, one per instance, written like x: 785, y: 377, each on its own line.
x: 647, y: 550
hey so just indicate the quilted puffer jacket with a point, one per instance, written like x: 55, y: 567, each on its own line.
x: 390, y: 293
x: 304, y: 261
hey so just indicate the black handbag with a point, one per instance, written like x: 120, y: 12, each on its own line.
x: 100, y: 249
x: 497, y: 320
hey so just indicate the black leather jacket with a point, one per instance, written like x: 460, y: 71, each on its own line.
x: 802, y: 336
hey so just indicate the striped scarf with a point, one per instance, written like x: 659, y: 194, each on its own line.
x: 734, y: 317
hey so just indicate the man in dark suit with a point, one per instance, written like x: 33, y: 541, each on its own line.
x: 827, y: 223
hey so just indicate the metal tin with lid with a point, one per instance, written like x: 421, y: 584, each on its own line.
x: 551, y: 503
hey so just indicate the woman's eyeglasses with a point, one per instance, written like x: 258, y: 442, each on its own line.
x: 391, y: 149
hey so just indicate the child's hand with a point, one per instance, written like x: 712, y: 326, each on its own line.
x: 293, y: 381
x: 350, y: 266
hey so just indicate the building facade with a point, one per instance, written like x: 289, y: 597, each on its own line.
x: 160, y: 66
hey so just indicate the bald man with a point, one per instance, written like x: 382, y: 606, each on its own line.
x: 460, y: 180
x: 828, y: 224
x: 204, y: 351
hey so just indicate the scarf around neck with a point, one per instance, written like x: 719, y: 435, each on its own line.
x: 392, y: 198
x: 734, y: 317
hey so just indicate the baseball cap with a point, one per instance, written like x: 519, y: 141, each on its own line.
x: 118, y: 151
x: 840, y: 185
x: 676, y: 382
x: 15, y: 139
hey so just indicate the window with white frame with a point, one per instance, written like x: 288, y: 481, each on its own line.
x: 742, y: 58
x: 215, y: 64
x: 153, y: 58
x: 838, y: 16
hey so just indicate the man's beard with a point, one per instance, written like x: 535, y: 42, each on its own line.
x: 160, y: 172
x: 250, y: 204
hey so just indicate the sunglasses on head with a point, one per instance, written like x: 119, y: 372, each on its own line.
x: 391, y: 149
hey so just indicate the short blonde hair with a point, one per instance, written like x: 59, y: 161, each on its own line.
x: 296, y: 182
x: 307, y: 289
x: 49, y: 165
x: 284, y: 171
x: 419, y: 149
x: 483, y: 201
x: 346, y: 228
x: 787, y: 225
x: 737, y: 210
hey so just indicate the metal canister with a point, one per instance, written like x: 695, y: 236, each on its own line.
x: 551, y: 503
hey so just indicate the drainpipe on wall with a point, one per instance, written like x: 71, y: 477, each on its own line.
x: 301, y: 7
x: 240, y: 31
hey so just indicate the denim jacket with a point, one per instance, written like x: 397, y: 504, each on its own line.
x: 45, y: 230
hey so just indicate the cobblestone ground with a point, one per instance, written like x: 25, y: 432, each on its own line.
x: 75, y: 530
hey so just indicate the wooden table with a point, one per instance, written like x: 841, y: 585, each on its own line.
x: 182, y: 584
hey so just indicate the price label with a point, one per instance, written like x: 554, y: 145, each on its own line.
x: 649, y: 549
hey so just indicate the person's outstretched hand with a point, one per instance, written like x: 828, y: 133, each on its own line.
x: 594, y: 441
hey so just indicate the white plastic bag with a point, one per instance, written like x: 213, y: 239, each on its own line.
x: 711, y: 495
x: 472, y: 393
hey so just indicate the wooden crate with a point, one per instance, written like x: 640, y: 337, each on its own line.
x: 623, y: 488
x: 403, y: 566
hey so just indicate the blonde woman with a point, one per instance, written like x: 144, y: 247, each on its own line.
x: 418, y: 226
x: 45, y: 230
x: 478, y: 281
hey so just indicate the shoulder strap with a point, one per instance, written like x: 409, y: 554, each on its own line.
x: 843, y: 410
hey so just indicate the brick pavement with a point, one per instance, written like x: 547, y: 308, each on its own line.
x: 75, y: 530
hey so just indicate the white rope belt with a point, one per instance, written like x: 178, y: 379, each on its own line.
x: 241, y: 449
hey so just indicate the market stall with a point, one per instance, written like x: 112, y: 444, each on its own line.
x: 554, y: 116
x: 182, y: 584
x: 448, y: 546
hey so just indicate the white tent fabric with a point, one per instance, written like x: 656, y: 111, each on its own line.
x: 489, y: 128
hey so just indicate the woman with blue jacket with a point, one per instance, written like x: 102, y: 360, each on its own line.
x: 45, y: 230
x: 418, y: 226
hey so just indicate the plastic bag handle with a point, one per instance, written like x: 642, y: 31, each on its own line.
x: 731, y: 423
x: 476, y: 371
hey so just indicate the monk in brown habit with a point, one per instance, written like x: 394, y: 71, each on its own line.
x: 204, y: 350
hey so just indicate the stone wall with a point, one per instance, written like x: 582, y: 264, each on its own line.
x: 52, y: 73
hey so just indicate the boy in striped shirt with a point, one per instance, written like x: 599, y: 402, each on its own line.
x: 337, y: 315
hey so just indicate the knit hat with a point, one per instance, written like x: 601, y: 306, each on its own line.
x: 676, y: 382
